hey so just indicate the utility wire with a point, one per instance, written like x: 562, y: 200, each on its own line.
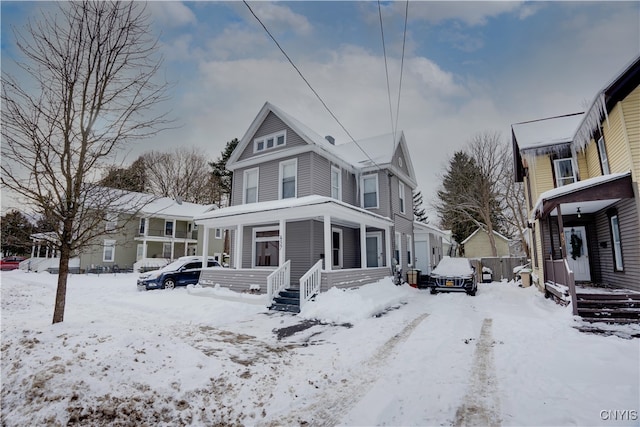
x: 404, y: 39
x: 386, y: 69
x: 309, y: 84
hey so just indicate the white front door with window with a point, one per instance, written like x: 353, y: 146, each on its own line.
x: 577, y: 252
x: 374, y: 249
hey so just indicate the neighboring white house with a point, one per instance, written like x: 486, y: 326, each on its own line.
x: 429, y: 246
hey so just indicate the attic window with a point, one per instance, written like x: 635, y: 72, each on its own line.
x: 565, y: 172
x: 270, y: 141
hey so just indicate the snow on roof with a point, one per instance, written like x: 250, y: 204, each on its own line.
x: 421, y: 226
x: 572, y: 188
x: 167, y: 206
x: 378, y: 149
x: 543, y: 133
x: 273, y: 205
x: 149, y: 204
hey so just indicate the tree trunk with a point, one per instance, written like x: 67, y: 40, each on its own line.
x: 63, y: 272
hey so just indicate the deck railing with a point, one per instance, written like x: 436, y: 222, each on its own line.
x: 558, y: 271
x: 278, y: 280
x: 310, y: 283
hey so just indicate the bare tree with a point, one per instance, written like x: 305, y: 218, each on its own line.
x: 87, y: 89
x: 477, y: 197
x: 183, y: 172
x: 514, y: 205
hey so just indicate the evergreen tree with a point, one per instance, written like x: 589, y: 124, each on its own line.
x: 220, y: 174
x: 16, y: 232
x: 132, y: 178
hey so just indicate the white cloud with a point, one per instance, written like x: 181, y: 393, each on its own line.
x: 277, y: 17
x: 171, y: 13
x: 472, y: 13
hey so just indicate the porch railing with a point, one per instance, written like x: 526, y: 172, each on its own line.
x: 278, y: 280
x: 310, y: 283
x: 558, y: 271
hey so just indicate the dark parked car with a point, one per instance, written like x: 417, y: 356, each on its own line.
x: 453, y: 274
x: 11, y: 262
x: 181, y: 272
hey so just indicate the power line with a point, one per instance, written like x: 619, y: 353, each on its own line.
x: 309, y: 84
x: 404, y: 39
x: 386, y: 69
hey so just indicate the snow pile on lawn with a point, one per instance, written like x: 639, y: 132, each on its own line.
x: 377, y: 355
x: 353, y: 305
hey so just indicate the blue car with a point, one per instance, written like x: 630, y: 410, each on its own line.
x: 181, y: 272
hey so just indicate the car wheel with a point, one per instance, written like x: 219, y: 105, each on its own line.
x: 169, y: 283
x: 433, y: 291
x: 472, y: 293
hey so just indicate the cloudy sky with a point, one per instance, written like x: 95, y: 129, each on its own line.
x: 468, y: 67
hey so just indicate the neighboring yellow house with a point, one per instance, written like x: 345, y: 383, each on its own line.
x: 477, y: 245
x: 580, y: 173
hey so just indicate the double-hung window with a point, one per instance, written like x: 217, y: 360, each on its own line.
x: 110, y: 222
x: 142, y: 225
x: 617, y: 241
x: 288, y: 178
x: 409, y: 251
x: 370, y: 191
x: 401, y: 195
x: 565, y: 172
x: 336, y: 183
x: 109, y: 251
x: 250, y: 193
x: 604, y: 160
x: 397, y: 252
x: 168, y: 228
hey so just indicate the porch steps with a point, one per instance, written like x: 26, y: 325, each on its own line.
x: 287, y: 300
x: 614, y: 307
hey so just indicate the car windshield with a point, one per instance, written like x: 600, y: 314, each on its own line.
x: 453, y: 267
x: 173, y: 266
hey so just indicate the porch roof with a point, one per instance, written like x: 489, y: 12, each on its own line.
x: 291, y: 209
x: 589, y: 195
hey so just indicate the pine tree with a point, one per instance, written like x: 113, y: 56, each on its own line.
x: 220, y: 174
x: 419, y: 214
x: 16, y: 232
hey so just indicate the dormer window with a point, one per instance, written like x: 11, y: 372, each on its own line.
x: 270, y: 141
x: 565, y: 172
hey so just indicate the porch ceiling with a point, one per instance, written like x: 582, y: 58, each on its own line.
x: 589, y: 195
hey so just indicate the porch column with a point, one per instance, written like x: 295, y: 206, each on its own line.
x: 46, y: 251
x: 33, y: 249
x: 144, y: 247
x: 173, y: 248
x: 387, y: 243
x: 363, y: 246
x: 282, y: 253
x: 205, y: 245
x: 238, y: 254
x: 327, y: 243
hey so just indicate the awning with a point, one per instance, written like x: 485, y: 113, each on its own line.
x: 606, y: 190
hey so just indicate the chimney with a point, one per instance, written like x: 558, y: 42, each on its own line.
x: 331, y: 139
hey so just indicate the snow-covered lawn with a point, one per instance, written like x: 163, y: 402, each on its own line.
x: 379, y: 355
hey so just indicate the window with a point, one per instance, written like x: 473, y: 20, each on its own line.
x: 218, y: 233
x: 401, y: 195
x: 288, y: 173
x: 604, y: 160
x: 370, y: 191
x: 336, y: 183
x: 109, y: 251
x: 396, y: 252
x: 336, y: 247
x: 166, y: 250
x: 617, y: 242
x: 141, y: 228
x: 168, y: 228
x: 111, y: 222
x: 266, y: 247
x: 565, y: 173
x: 409, y: 251
x: 250, y: 194
x: 268, y: 142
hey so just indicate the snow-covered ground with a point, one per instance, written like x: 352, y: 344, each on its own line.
x: 379, y: 355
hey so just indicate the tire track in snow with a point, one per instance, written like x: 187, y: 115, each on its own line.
x: 335, y: 402
x: 481, y: 405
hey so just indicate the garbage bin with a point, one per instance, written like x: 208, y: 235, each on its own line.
x: 487, y: 275
x: 525, y: 276
x: 412, y: 277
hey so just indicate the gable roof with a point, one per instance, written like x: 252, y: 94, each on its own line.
x: 357, y: 156
x: 480, y: 228
x: 543, y: 133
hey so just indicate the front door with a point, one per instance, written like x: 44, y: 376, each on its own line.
x: 578, y: 253
x: 374, y: 249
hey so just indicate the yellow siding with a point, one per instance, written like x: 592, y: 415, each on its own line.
x: 542, y: 176
x: 479, y: 246
x: 615, y: 139
x: 631, y: 110
x: 593, y: 160
x: 583, y: 167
